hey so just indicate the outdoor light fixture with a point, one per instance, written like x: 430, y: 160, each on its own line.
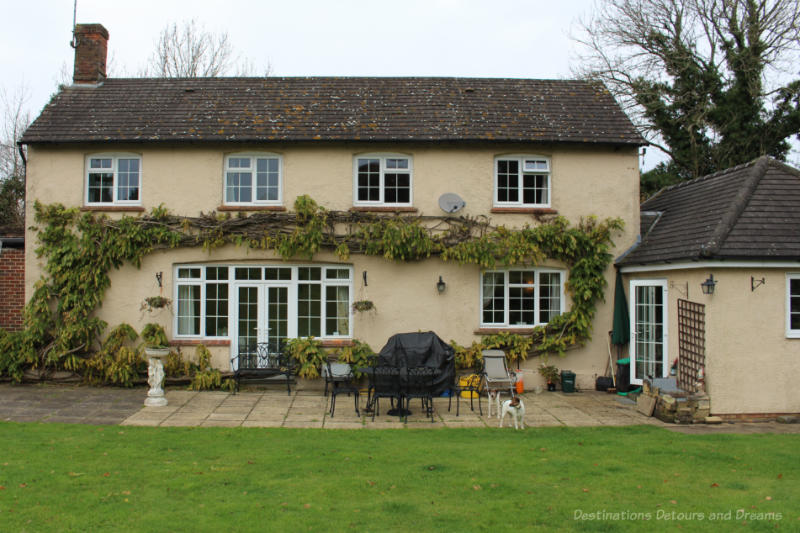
x: 708, y: 285
x: 159, y: 277
x: 755, y: 283
x: 441, y: 285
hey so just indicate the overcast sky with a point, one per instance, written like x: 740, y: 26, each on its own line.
x: 493, y: 38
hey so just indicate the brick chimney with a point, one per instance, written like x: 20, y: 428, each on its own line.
x: 91, y: 46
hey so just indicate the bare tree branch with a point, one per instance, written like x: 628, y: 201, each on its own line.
x: 15, y: 119
x: 189, y: 51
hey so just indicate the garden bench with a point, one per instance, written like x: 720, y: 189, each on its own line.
x: 262, y: 363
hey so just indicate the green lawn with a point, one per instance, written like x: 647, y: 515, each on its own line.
x: 87, y: 478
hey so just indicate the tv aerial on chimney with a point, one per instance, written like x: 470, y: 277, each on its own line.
x: 74, y: 42
x: 450, y: 202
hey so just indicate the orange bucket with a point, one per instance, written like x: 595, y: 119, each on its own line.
x: 520, y: 385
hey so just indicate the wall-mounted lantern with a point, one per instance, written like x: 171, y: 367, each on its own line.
x: 708, y: 285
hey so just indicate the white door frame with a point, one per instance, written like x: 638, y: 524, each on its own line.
x: 662, y: 284
x: 262, y: 296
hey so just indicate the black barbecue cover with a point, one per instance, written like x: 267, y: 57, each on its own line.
x: 421, y: 349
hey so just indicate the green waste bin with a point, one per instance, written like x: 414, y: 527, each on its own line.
x: 567, y: 381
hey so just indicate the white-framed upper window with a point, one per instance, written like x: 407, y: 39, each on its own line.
x: 522, y: 181
x: 519, y: 298
x: 253, y: 179
x: 383, y: 180
x: 113, y: 179
x: 793, y: 306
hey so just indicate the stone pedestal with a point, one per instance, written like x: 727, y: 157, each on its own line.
x: 155, y: 376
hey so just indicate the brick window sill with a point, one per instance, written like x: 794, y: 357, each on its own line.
x: 251, y: 208
x: 114, y: 208
x: 383, y: 209
x: 336, y: 343
x: 331, y: 343
x: 495, y: 331
x: 526, y: 210
x: 204, y: 342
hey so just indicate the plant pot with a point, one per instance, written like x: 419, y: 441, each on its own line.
x: 551, y: 386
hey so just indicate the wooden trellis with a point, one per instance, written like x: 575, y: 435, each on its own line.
x: 691, y: 342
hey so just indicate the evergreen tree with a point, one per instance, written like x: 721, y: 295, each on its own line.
x: 694, y: 75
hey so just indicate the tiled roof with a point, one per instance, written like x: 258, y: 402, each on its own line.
x: 747, y: 212
x: 334, y: 109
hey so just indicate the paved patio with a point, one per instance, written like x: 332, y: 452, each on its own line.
x: 309, y: 409
x: 76, y: 404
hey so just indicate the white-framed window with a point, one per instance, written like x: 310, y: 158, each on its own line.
x: 253, y: 179
x: 383, y: 180
x: 519, y: 298
x: 793, y: 306
x: 113, y: 179
x: 522, y: 181
x: 313, y: 300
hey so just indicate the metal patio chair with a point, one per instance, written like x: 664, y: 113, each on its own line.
x: 496, y: 376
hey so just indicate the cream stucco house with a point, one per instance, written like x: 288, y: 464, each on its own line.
x: 715, y: 284
x: 513, y: 150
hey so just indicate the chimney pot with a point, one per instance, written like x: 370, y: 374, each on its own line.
x: 91, y: 49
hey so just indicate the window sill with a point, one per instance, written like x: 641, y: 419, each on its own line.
x: 495, y: 331
x: 251, y: 208
x: 336, y: 343
x: 383, y: 209
x: 204, y: 342
x: 526, y: 210
x: 114, y: 208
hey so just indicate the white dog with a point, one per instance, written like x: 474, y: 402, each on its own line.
x: 516, y: 409
x: 494, y: 398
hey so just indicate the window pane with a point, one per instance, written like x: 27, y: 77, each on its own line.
x: 216, y: 273
x: 238, y: 187
x: 493, y: 298
x: 189, y: 273
x: 309, y: 310
x: 534, y: 189
x: 278, y: 273
x: 518, y: 277
x: 217, y: 309
x: 100, y: 163
x: 101, y: 187
x: 533, y: 165
x: 549, y: 296
x: 248, y: 317
x: 128, y: 180
x: 337, y: 310
x: 794, y: 304
x: 397, y: 188
x: 189, y: 310
x: 337, y: 273
x: 309, y: 273
x: 508, y: 181
x: 369, y: 180
x: 397, y: 163
x: 278, y: 312
x: 520, y: 306
x: 239, y: 162
x: 267, y: 179
x: 248, y: 273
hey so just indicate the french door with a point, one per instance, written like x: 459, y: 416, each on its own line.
x: 648, y: 329
x: 262, y: 317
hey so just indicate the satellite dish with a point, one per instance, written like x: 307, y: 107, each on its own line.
x: 450, y: 202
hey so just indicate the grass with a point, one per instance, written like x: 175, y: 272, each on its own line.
x: 87, y: 478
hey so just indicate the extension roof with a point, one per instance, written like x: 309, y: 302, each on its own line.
x: 748, y: 212
x: 333, y: 109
